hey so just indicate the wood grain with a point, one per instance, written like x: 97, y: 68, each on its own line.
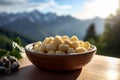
x: 100, y: 68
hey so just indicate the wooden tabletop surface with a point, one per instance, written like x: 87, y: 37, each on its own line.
x: 100, y: 68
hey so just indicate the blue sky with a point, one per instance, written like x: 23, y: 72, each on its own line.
x: 81, y: 9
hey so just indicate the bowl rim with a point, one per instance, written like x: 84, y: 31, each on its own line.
x: 27, y: 48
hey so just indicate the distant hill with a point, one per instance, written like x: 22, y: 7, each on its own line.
x: 37, y: 25
x: 7, y: 36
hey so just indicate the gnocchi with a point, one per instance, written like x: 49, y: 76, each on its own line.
x: 75, y: 44
x: 51, y: 52
x: 61, y: 45
x: 60, y: 52
x: 80, y: 49
x: 71, y: 50
x: 50, y: 47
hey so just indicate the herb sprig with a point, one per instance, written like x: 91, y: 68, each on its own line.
x: 17, y: 49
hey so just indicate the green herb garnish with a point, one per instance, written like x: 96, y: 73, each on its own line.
x: 17, y: 49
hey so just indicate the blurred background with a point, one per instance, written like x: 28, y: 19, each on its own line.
x: 96, y: 21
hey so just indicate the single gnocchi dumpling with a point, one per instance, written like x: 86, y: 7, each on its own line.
x: 64, y: 38
x: 42, y: 48
x: 48, y: 40
x: 71, y: 50
x: 57, y: 41
x: 63, y: 47
x: 60, y: 52
x: 81, y: 42
x: 50, y: 47
x: 80, y: 49
x: 75, y: 44
x: 51, y: 52
x: 86, y: 45
x: 37, y: 44
x: 68, y: 42
x: 74, y: 38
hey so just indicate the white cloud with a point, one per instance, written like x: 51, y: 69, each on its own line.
x: 99, y: 8
x: 29, y: 6
x: 11, y: 2
x: 50, y: 5
x: 63, y: 7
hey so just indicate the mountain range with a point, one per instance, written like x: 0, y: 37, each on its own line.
x: 37, y: 25
x: 6, y: 38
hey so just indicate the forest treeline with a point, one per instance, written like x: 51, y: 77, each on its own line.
x: 108, y: 43
x: 6, y: 37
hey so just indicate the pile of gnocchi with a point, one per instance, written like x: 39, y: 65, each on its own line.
x: 61, y: 45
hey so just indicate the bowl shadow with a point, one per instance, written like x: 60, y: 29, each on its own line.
x: 33, y: 73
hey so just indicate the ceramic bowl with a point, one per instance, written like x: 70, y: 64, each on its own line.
x: 59, y: 62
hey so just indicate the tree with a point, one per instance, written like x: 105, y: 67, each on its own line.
x: 111, y: 36
x: 91, y: 33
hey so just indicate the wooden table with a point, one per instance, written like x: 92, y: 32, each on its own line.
x: 100, y: 68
